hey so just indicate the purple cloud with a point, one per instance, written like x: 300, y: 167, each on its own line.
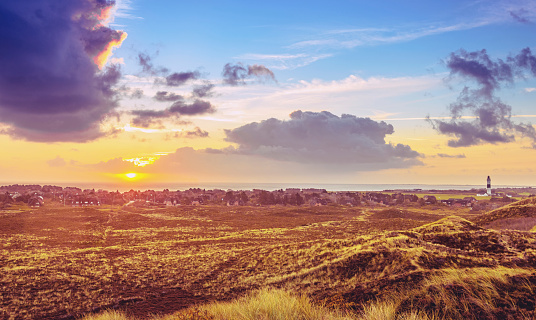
x: 167, y: 96
x: 235, y: 75
x: 492, y: 118
x: 322, y: 137
x: 51, y: 88
x: 179, y: 78
x: 153, y: 118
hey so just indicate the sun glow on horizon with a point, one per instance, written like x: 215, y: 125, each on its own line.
x: 146, y: 160
x: 131, y: 175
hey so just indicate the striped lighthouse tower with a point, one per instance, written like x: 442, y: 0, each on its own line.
x: 489, y: 186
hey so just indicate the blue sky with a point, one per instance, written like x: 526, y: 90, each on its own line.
x: 387, y: 38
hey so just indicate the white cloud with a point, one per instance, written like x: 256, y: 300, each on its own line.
x: 354, y: 95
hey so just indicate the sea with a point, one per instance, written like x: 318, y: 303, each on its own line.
x: 268, y: 186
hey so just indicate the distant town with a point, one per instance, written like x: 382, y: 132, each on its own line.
x: 476, y: 199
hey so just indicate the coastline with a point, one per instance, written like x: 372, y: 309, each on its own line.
x: 266, y: 186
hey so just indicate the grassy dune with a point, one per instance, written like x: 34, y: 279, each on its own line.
x: 331, y: 262
x: 520, y: 215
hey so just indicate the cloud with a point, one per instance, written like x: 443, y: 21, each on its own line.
x: 492, y: 118
x: 235, y: 75
x: 179, y: 78
x: 520, y: 15
x: 530, y: 89
x: 285, y: 61
x: 153, y: 118
x: 352, y: 38
x: 136, y: 94
x: 57, y: 162
x: 195, y: 108
x: 51, y: 87
x: 167, y: 96
x: 321, y: 137
x: 202, y: 91
x: 196, y: 133
x: 115, y: 165
x: 131, y: 93
x: 457, y: 156
x: 175, y: 79
x: 261, y: 72
x: 145, y: 61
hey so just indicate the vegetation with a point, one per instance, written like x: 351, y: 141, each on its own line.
x: 214, y: 262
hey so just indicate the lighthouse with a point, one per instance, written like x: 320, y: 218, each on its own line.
x: 489, y: 186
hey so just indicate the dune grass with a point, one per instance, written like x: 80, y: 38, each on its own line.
x: 477, y: 293
x: 268, y: 304
x: 276, y: 304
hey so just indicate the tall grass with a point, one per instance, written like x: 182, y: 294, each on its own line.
x: 273, y: 305
x: 107, y: 315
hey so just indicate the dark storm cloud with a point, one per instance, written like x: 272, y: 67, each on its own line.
x: 153, y: 118
x: 492, y: 118
x: 235, y: 75
x: 167, y: 96
x: 321, y: 137
x: 50, y: 87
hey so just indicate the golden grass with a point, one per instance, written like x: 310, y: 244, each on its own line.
x: 276, y: 304
x: 107, y: 315
x: 472, y: 293
x: 66, y: 261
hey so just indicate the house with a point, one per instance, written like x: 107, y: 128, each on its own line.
x: 36, y: 201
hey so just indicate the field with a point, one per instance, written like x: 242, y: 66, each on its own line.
x: 64, y: 263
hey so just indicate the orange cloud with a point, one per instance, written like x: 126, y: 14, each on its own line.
x: 101, y: 58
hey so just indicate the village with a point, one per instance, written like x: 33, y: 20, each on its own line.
x: 37, y: 196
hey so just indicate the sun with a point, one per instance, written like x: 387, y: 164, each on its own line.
x: 131, y: 175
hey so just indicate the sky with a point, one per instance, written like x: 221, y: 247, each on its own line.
x: 193, y: 92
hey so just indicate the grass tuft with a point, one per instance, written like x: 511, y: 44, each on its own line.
x: 107, y: 315
x: 271, y: 304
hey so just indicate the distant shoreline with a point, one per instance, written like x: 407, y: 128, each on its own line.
x: 272, y: 186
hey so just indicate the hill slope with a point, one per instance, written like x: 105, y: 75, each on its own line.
x: 159, y: 261
x: 520, y: 215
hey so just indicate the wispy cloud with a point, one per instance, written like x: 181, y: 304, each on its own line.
x: 124, y: 9
x: 284, y: 61
x: 486, y: 13
x: 351, y: 38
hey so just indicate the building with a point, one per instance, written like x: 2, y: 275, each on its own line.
x: 489, y: 186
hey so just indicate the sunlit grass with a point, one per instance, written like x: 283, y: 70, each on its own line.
x: 79, y: 259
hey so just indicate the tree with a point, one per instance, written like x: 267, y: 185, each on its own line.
x: 229, y: 197
x: 299, y: 200
x: 244, y: 197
